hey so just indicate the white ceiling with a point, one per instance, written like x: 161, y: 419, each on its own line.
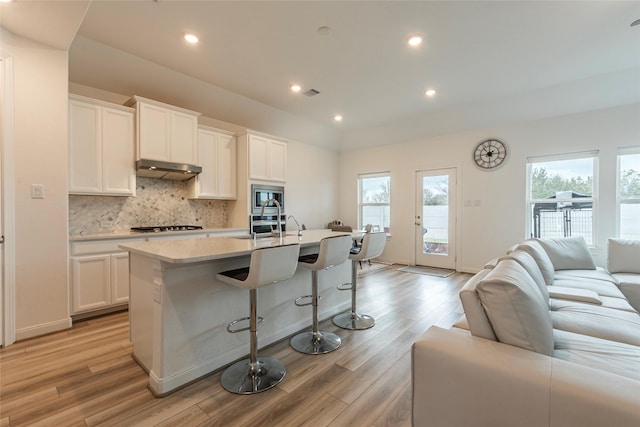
x: 490, y: 62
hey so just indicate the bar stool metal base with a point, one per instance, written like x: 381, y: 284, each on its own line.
x: 239, y: 378
x: 355, y: 321
x: 320, y: 343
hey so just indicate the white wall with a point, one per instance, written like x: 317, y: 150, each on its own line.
x: 40, y: 140
x: 487, y: 230
x: 312, y: 185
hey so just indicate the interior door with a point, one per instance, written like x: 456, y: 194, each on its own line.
x: 435, y: 218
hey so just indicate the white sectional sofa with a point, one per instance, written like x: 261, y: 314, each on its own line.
x: 547, y: 339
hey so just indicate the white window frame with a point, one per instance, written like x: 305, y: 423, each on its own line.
x: 531, y: 161
x: 362, y: 204
x: 623, y: 152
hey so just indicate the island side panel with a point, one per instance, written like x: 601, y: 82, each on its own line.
x: 141, y: 309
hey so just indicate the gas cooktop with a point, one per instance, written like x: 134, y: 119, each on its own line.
x: 159, y: 228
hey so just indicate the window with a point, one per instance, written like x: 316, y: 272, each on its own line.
x: 374, y: 201
x: 561, y: 195
x: 629, y: 193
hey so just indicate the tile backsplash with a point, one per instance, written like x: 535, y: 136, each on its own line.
x: 157, y: 202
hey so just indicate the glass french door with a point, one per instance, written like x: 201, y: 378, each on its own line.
x: 435, y: 218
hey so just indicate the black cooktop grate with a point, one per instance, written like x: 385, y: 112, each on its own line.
x: 159, y: 228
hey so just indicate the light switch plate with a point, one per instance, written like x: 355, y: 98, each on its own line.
x: 37, y: 191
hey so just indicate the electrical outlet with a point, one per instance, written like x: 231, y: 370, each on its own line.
x: 106, y: 224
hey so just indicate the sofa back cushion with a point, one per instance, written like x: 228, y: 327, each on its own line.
x: 545, y: 265
x: 515, y: 308
x: 529, y: 264
x: 568, y: 253
x: 477, y: 320
x: 623, y: 256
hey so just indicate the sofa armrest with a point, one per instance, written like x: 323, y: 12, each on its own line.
x: 462, y: 380
x: 459, y: 379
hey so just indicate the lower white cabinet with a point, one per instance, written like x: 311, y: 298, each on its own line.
x: 99, y: 281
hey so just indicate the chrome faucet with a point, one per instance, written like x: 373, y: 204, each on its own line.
x: 297, y: 224
x: 266, y: 202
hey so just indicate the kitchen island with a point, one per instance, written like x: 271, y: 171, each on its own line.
x: 179, y: 311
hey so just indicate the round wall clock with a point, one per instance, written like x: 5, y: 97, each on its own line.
x: 490, y: 153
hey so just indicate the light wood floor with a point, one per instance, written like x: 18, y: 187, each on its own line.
x: 86, y: 376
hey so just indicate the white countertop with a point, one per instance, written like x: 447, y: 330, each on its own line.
x: 211, y: 248
x: 123, y: 234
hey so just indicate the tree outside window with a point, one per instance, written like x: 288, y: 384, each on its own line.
x: 629, y: 194
x: 561, y: 196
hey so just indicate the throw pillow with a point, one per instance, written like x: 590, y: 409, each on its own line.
x: 568, y: 253
x: 624, y: 256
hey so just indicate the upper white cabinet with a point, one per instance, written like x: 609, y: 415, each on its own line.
x: 217, y: 156
x: 101, y: 148
x: 165, y: 132
x: 267, y: 158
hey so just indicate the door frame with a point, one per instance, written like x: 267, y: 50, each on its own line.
x: 458, y: 199
x: 7, y: 145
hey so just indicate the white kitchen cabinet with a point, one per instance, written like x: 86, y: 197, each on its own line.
x: 267, y: 158
x: 99, y: 274
x: 101, y: 148
x: 91, y: 282
x: 217, y: 156
x: 99, y: 281
x: 165, y: 132
x: 119, y: 280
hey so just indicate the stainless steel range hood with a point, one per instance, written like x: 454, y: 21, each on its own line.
x: 166, y: 170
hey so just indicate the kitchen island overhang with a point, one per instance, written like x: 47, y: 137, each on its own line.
x: 179, y: 311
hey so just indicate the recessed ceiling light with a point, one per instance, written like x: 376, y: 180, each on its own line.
x: 414, y: 40
x: 191, y: 38
x: 430, y: 92
x: 6, y: 1
x: 337, y: 118
x: 296, y: 88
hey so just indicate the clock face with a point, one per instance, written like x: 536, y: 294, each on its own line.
x: 490, y: 153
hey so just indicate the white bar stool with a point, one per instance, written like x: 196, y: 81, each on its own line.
x: 372, y: 247
x: 268, y: 265
x: 333, y: 251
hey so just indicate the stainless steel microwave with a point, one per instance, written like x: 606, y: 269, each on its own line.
x: 261, y: 193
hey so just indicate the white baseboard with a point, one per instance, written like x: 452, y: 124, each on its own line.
x: 42, y: 329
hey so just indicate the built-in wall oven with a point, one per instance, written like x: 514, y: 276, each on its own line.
x: 261, y: 193
x: 265, y: 223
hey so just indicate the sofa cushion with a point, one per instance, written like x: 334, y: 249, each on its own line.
x: 568, y: 253
x: 529, y: 264
x: 477, y: 320
x: 617, y: 358
x: 597, y: 274
x: 545, y: 265
x: 517, y: 311
x: 601, y: 287
x: 574, y: 294
x: 630, y: 287
x: 597, y: 321
x: 623, y: 256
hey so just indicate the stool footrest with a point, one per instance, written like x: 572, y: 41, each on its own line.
x: 230, y: 325
x: 345, y: 287
x: 299, y: 304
